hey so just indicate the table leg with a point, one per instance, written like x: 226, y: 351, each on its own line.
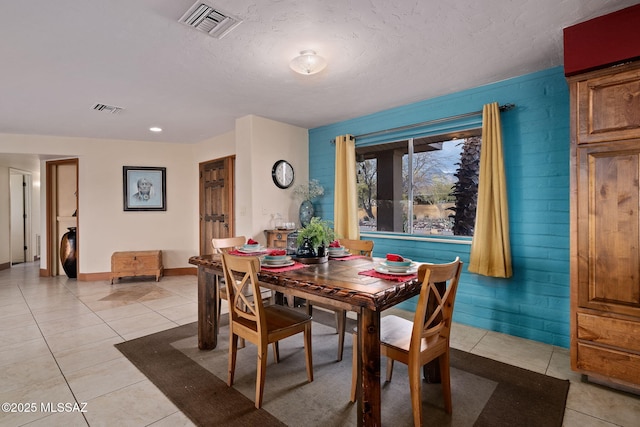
x: 207, y: 310
x: 369, y: 402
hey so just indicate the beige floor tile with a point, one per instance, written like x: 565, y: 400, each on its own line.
x: 16, y: 321
x: 103, y: 378
x: 22, y: 351
x: 577, y: 419
x: 63, y: 418
x: 142, y: 322
x: 177, y: 419
x: 88, y: 355
x: 19, y: 374
x: 123, y: 311
x: 616, y: 407
x: 520, y: 352
x: 465, y: 337
x: 137, y: 405
x: 183, y: 311
x: 65, y: 324
x: 54, y: 390
x: 22, y: 333
x: 79, y: 337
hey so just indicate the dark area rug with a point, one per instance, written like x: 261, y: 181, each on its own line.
x: 484, y: 392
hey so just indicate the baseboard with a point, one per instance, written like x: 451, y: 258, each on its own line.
x: 96, y: 277
x: 5, y: 265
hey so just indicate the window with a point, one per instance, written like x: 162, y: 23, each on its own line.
x: 421, y: 186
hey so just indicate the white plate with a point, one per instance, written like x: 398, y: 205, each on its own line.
x: 284, y: 264
x: 276, y: 261
x: 252, y: 251
x: 398, y: 269
x: 339, y: 255
x: 384, y: 270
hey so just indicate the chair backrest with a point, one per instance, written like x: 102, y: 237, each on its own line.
x: 358, y: 247
x: 227, y: 244
x: 241, y: 273
x: 437, y: 295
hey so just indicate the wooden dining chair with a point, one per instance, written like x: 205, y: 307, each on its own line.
x: 256, y: 323
x: 225, y: 245
x: 426, y: 338
x: 356, y: 247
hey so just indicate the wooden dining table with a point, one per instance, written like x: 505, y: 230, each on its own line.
x: 337, y: 283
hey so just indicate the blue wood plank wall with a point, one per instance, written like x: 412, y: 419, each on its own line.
x: 534, y: 303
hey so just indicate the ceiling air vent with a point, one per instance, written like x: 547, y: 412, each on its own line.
x: 210, y: 20
x: 107, y: 108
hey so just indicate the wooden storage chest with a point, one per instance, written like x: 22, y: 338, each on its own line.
x: 136, y: 263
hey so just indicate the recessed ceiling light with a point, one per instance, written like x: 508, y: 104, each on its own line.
x: 155, y: 129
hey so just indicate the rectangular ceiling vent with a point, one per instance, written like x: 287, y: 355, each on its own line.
x: 107, y: 108
x: 210, y: 20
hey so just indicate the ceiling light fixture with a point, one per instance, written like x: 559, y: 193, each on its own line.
x: 308, y: 63
x: 155, y: 129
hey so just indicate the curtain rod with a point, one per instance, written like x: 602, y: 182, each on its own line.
x: 505, y: 107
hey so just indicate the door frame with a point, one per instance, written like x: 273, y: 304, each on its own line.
x: 52, y: 219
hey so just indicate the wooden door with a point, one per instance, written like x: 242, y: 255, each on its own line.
x: 216, y: 201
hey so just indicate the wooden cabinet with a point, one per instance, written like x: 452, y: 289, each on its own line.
x: 277, y: 238
x: 605, y: 225
x: 136, y: 263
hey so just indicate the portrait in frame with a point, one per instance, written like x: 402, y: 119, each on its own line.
x: 144, y: 188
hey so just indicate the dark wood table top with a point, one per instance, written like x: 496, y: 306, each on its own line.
x: 334, y: 280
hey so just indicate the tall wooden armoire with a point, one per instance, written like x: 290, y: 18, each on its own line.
x: 605, y: 222
x: 602, y: 64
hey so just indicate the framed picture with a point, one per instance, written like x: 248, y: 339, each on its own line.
x: 144, y: 188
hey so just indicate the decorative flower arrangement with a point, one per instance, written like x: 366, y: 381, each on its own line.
x: 310, y: 191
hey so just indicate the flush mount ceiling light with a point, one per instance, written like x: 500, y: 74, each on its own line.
x: 308, y: 63
x: 155, y: 129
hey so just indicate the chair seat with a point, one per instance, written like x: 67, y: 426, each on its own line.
x: 396, y: 332
x: 279, y: 319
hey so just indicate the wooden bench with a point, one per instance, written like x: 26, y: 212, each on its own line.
x: 136, y: 263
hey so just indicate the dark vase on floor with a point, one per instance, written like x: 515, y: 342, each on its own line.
x: 68, y: 253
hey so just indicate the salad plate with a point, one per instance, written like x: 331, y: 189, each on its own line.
x: 384, y: 270
x: 339, y: 254
x: 251, y: 250
x: 397, y: 268
x: 278, y: 264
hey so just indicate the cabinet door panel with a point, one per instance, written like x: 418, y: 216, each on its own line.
x: 609, y: 228
x: 609, y: 107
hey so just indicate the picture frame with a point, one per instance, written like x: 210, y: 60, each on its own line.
x: 144, y: 188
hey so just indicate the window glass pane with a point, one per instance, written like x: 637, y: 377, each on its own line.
x: 440, y: 179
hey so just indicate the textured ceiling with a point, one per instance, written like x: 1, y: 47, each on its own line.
x: 59, y: 58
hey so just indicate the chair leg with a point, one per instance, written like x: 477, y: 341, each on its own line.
x: 309, y: 308
x: 354, y: 369
x: 415, y: 386
x: 308, y: 351
x: 276, y: 351
x: 389, y: 368
x: 445, y: 377
x: 233, y: 350
x: 261, y: 374
x: 341, y: 321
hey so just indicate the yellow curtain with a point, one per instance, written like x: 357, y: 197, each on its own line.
x: 345, y: 211
x: 490, y: 250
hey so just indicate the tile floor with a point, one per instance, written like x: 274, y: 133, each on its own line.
x: 57, y: 337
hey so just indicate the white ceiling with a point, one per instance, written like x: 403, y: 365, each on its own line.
x: 59, y: 58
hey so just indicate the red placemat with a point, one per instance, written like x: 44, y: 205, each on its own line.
x: 240, y: 253
x: 346, y: 258
x: 295, y: 266
x: 394, y: 277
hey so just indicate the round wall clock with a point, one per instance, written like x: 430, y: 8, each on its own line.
x: 282, y: 174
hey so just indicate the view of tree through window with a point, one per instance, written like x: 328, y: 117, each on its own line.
x: 438, y: 175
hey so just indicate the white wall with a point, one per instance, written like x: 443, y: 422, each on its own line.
x: 103, y: 226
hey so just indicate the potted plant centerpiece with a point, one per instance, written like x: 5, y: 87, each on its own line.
x: 313, y: 238
x: 308, y: 192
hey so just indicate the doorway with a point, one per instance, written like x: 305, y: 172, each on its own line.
x: 217, y: 187
x: 62, y: 210
x: 20, y: 216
